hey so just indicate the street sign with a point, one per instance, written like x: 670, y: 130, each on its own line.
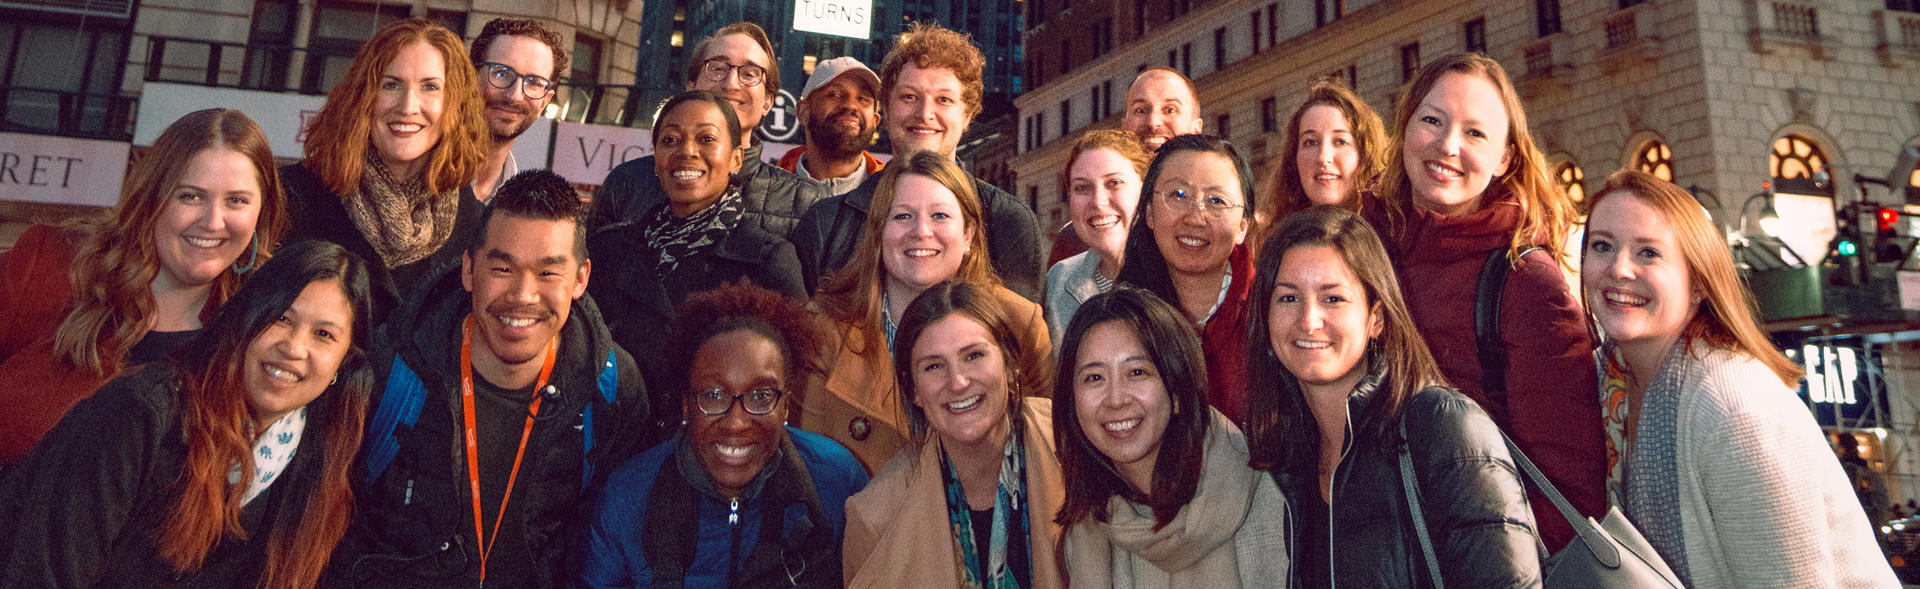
x: 783, y: 122
x: 840, y: 18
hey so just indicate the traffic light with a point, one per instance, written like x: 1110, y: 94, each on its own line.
x: 1887, y: 223
x: 1847, y: 268
x: 1888, y: 219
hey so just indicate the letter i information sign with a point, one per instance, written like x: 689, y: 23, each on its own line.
x: 840, y: 18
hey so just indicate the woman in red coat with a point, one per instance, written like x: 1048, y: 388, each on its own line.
x: 1469, y: 183
x: 77, y: 305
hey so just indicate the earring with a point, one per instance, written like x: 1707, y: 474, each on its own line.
x: 335, y: 381
x: 254, y: 246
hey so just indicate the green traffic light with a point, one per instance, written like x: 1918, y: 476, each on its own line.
x: 1847, y: 248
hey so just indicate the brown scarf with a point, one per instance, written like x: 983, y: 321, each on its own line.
x: 402, y: 220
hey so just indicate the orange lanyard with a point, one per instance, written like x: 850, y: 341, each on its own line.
x: 473, y: 445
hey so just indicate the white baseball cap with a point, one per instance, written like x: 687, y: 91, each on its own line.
x: 826, y: 71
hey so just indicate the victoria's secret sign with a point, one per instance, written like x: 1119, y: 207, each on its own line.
x: 61, y: 170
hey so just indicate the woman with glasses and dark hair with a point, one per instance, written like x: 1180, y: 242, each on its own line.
x: 390, y: 158
x: 1159, y: 493
x: 80, y: 304
x: 737, y: 499
x: 973, y: 502
x: 1191, y: 252
x: 1348, y: 391
x: 224, y: 466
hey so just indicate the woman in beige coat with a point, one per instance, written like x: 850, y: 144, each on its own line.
x: 1159, y: 493
x: 973, y: 503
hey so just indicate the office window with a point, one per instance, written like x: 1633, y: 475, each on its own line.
x: 1106, y: 91
x: 1269, y: 115
x: 1186, y: 59
x: 1173, y: 58
x: 1066, y: 117
x: 1222, y: 125
x: 1220, y: 48
x: 1103, y: 37
x: 1139, y: 18
x: 1326, y: 11
x: 1547, y: 16
x: 1409, y: 60
x: 1475, y: 33
x: 1273, y: 24
x: 1253, y: 30
x: 1066, y: 57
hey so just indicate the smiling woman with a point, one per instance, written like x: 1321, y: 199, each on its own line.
x: 390, y: 157
x: 188, y: 469
x: 80, y: 303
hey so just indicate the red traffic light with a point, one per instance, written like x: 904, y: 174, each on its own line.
x: 1888, y: 218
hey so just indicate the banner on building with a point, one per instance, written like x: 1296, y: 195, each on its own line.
x: 61, y: 170
x: 840, y: 18
x: 282, y: 116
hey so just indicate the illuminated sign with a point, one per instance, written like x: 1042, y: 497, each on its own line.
x: 840, y: 18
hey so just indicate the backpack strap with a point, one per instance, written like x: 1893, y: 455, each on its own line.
x: 1486, y: 324
x: 609, y: 385
x: 400, y: 404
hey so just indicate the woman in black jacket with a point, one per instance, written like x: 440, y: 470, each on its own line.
x: 224, y: 466
x: 1346, y: 386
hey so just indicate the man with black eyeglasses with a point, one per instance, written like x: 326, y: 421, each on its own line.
x: 736, y: 63
x: 517, y: 61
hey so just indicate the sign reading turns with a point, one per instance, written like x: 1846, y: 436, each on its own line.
x: 840, y: 18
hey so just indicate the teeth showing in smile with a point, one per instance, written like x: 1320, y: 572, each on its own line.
x: 1326, y: 177
x: 921, y: 253
x: 1443, y: 170
x: 965, y: 404
x: 1103, y: 221
x: 1625, y: 299
x: 281, y: 375
x: 923, y: 131
x: 1191, y: 242
x: 203, y: 241
x: 1122, y: 426
x: 404, y: 127
x: 688, y: 174
x: 1307, y: 345
x: 732, y: 451
x: 516, y: 321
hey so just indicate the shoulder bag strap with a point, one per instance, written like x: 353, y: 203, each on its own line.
x: 1413, y: 507
x: 1486, y: 326
x: 1596, y: 540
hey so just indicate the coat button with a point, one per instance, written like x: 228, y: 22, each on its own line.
x: 859, y: 428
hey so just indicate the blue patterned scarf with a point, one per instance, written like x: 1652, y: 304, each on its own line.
x: 1009, y: 519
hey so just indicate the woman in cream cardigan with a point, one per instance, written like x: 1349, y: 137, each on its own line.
x: 972, y: 503
x: 1160, y: 493
x: 1701, y: 410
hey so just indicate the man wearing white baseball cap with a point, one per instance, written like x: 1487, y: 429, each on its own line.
x: 839, y: 112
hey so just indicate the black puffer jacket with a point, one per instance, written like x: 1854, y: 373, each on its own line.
x: 414, y: 524
x: 773, y: 198
x: 1476, y: 509
x: 828, y: 234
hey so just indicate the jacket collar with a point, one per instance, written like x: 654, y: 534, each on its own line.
x: 1431, y: 237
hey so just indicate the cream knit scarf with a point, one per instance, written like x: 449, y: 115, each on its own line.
x: 1193, y: 550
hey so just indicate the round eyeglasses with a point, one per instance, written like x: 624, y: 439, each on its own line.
x: 715, y: 401
x: 717, y: 70
x: 1212, y: 204
x: 502, y: 76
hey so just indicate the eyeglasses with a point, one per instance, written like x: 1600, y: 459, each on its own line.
x: 502, y: 76
x: 715, y: 401
x: 1212, y: 204
x: 717, y: 70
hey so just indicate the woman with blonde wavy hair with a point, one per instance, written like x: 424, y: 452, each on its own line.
x: 199, y: 210
x: 1469, y: 191
x: 390, y: 158
x: 925, y: 227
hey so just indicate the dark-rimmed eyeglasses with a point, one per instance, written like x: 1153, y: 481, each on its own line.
x: 502, y: 76
x: 717, y: 70
x: 715, y: 401
x: 1212, y: 204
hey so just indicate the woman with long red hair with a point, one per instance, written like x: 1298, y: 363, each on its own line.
x: 224, y: 466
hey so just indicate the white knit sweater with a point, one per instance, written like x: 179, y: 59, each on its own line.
x: 1763, y: 501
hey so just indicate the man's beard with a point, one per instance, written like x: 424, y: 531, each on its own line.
x: 503, y: 132
x: 827, y: 137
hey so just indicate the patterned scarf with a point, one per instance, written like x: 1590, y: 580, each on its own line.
x: 401, y: 219
x: 1009, y: 519
x: 1653, y: 474
x: 675, y: 240
x: 272, y: 453
x: 1614, y: 410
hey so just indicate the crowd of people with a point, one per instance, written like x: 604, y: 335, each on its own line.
x: 838, y: 371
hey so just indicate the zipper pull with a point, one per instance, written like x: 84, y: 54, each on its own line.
x: 733, y: 512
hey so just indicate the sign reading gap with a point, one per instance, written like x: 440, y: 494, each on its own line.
x: 840, y: 18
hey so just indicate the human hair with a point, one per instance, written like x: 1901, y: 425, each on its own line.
x: 1174, y: 348
x: 1545, y: 211
x: 976, y: 302
x: 338, y: 138
x: 731, y: 307
x: 752, y: 31
x: 1143, y: 266
x: 852, y: 295
x: 540, y: 195
x: 218, y: 425
x: 1725, y: 320
x: 114, y: 267
x: 529, y: 28
x: 1284, y: 194
x: 696, y: 96
x: 931, y: 46
x: 1120, y: 142
x: 1281, y: 430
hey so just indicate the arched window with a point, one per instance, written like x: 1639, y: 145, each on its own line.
x: 1793, y: 162
x: 1571, y: 180
x: 1655, y: 158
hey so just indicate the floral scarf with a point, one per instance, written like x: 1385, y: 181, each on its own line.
x: 1614, y: 411
x: 676, y: 240
x: 1009, y: 519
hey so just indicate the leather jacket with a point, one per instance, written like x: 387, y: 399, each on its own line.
x: 1471, y: 493
x: 772, y: 197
